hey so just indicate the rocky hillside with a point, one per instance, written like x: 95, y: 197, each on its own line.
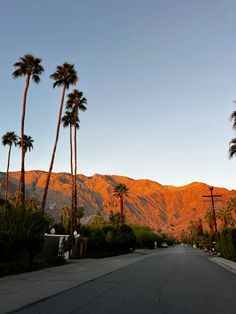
x: 149, y: 203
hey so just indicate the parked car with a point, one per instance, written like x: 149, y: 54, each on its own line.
x: 164, y: 244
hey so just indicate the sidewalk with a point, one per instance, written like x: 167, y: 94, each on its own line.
x: 20, y: 290
x: 230, y: 265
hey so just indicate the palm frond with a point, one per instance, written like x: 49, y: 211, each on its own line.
x: 121, y: 190
x: 28, y: 65
x: 76, y: 100
x: 10, y: 138
x: 65, y: 75
x: 233, y: 118
x: 232, y: 148
x: 28, y: 142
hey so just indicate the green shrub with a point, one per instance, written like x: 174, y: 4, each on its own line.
x: 145, y: 237
x: 228, y: 243
x: 108, y: 240
x: 21, y: 236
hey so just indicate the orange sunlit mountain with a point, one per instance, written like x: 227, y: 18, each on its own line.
x: 150, y: 203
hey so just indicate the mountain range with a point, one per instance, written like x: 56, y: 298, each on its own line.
x: 168, y: 207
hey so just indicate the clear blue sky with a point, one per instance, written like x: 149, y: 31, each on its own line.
x: 159, y: 76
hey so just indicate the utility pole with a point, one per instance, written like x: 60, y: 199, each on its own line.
x: 212, y: 196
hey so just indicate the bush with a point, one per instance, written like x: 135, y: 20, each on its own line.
x: 21, y: 237
x: 108, y: 240
x: 228, y: 243
x: 145, y: 237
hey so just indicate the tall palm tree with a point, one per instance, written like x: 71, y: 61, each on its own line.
x: 65, y: 76
x: 28, y: 145
x: 30, y: 67
x: 120, y: 191
x: 68, y: 120
x: 10, y: 138
x: 75, y: 101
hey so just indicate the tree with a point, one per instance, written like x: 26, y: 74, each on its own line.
x: 65, y: 76
x: 68, y: 120
x: 226, y: 217
x: 10, y: 138
x: 80, y: 213
x: 209, y: 219
x: 30, y: 67
x: 98, y: 220
x: 28, y: 145
x: 120, y: 191
x: 232, y: 204
x: 114, y: 218
x: 75, y: 101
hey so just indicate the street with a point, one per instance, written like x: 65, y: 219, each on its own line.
x: 178, y: 279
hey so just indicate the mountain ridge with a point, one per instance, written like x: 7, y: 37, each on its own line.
x: 160, y: 206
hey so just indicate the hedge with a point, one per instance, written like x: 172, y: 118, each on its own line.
x: 228, y: 243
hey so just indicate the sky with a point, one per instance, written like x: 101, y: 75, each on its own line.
x: 159, y: 77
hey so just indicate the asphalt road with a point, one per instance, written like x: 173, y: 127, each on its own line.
x: 177, y: 280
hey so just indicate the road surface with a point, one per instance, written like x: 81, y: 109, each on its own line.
x: 178, y: 279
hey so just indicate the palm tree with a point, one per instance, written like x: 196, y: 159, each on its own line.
x: 28, y: 145
x: 226, y: 216
x: 233, y: 118
x: 120, y: 191
x: 65, y: 76
x: 80, y: 213
x: 10, y: 138
x: 27, y: 66
x: 75, y: 101
x: 68, y: 120
x: 231, y: 204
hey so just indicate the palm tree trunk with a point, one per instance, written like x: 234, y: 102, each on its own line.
x: 121, y: 209
x: 71, y: 170
x: 22, y: 178
x: 212, y: 224
x: 54, y: 151
x: 75, y: 173
x: 7, y: 174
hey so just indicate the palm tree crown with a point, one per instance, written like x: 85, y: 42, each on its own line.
x: 10, y: 138
x: 232, y: 148
x: 28, y: 65
x: 233, y: 118
x: 28, y: 143
x: 68, y: 119
x: 76, y: 100
x: 121, y: 190
x: 65, y: 75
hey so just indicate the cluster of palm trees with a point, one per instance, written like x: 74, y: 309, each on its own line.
x: 12, y: 139
x: 65, y: 76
